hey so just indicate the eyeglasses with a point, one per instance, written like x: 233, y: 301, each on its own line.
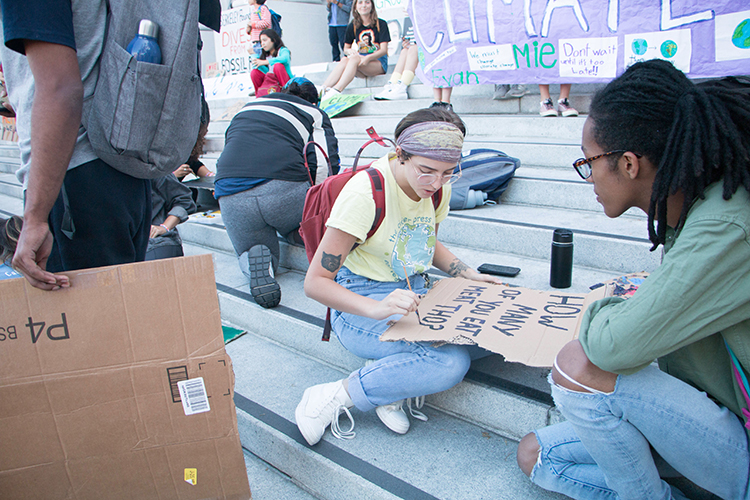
x: 583, y: 165
x: 427, y: 179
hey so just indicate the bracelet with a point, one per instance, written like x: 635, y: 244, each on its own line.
x: 165, y: 227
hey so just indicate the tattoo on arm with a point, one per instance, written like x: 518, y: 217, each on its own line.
x: 456, y: 268
x: 330, y: 262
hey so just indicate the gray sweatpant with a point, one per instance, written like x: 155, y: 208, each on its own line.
x: 254, y: 216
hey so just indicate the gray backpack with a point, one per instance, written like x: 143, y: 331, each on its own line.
x: 143, y: 118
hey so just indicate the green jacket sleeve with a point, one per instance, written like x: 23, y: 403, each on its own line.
x: 701, y: 288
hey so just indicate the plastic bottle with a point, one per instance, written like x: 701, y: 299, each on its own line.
x: 475, y: 198
x: 561, y: 263
x: 145, y: 46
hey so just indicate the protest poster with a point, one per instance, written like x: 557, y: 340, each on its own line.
x: 524, y: 325
x: 341, y: 102
x: 465, y: 42
x: 232, y: 42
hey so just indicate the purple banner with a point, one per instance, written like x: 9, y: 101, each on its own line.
x: 474, y: 42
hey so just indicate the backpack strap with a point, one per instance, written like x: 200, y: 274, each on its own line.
x: 307, y: 167
x: 378, y: 194
x: 739, y: 375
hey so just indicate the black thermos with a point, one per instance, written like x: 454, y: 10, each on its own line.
x: 561, y: 265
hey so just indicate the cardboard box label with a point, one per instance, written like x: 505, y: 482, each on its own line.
x: 193, y: 395
x: 524, y: 325
x: 191, y: 476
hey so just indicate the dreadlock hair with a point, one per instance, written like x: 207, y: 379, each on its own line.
x: 695, y: 135
x: 10, y: 229
x: 357, y: 19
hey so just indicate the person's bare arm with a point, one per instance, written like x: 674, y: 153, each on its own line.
x: 55, y: 119
x: 320, y: 282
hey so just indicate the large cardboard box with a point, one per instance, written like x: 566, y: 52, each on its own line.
x: 524, y: 325
x: 118, y: 387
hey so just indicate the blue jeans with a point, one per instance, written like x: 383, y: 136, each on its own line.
x: 402, y: 369
x: 612, y: 444
x: 336, y: 37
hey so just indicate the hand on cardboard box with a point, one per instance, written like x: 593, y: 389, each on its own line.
x: 32, y: 252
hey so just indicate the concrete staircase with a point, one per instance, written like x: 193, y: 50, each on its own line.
x: 467, y: 448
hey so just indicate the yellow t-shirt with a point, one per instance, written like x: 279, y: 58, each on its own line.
x: 405, y: 238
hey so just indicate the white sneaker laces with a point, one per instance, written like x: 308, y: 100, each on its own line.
x: 418, y: 403
x: 336, y: 428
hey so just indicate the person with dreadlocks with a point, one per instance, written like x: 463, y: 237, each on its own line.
x: 382, y: 279
x: 681, y: 153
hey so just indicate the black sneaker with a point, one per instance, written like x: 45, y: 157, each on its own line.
x: 444, y: 105
x: 263, y: 286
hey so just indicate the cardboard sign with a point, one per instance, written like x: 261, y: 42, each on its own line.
x: 524, y: 325
x: 90, y: 382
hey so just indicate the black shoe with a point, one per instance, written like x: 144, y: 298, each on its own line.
x: 263, y: 286
x: 444, y: 105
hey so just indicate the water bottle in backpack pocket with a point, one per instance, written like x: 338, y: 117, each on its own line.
x: 485, y: 174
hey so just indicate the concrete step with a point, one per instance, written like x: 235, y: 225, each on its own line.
x: 536, y: 141
x: 269, y: 483
x: 616, y: 246
x: 10, y: 186
x: 10, y: 159
x: 474, y: 462
x: 529, y: 128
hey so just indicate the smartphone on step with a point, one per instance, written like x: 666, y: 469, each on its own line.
x: 498, y: 270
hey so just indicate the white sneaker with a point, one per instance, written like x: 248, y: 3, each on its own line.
x: 330, y: 93
x: 394, y: 417
x: 320, y: 407
x: 398, y: 93
x: 385, y: 93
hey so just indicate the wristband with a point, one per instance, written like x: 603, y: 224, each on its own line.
x: 165, y: 227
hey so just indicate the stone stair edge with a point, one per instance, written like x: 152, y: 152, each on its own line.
x: 267, y: 429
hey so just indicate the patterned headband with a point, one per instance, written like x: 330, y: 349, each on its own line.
x: 440, y: 141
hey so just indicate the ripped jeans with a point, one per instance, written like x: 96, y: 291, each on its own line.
x: 614, y: 446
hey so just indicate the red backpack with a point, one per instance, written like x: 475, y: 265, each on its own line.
x: 320, y: 198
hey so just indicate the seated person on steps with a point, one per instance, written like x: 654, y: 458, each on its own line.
x: 261, y: 180
x: 681, y: 153
x: 379, y: 281
x: 369, y: 58
x: 272, y: 69
x: 171, y: 203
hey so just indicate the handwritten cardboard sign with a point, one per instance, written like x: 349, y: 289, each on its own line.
x: 524, y: 325
x: 575, y: 41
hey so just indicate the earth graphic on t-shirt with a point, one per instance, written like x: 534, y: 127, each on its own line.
x: 414, y: 247
x: 741, y: 35
x: 668, y: 49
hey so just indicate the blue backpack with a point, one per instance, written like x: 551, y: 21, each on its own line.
x: 485, y: 174
x: 275, y: 21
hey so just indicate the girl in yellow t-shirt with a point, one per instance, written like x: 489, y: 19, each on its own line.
x: 368, y: 287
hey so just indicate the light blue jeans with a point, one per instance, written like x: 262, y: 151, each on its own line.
x: 402, y: 369
x: 614, y: 446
